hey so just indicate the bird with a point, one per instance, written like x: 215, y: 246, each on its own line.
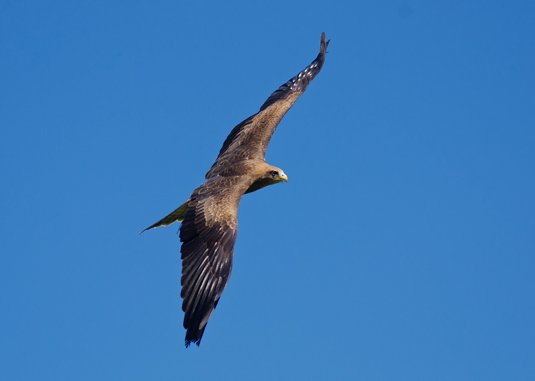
x: 209, y: 217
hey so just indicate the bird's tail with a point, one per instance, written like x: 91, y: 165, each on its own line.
x: 176, y: 215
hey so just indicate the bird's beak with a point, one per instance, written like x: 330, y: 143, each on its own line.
x: 283, y: 177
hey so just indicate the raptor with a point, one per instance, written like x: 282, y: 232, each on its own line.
x: 210, y: 215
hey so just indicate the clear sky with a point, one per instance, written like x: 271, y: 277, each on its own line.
x: 402, y: 248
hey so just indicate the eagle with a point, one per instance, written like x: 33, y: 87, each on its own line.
x: 210, y: 215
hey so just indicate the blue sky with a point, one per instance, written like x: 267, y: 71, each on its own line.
x: 402, y: 247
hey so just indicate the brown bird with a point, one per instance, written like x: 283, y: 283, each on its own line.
x: 210, y: 216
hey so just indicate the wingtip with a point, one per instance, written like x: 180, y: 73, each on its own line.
x: 323, y: 43
x: 299, y: 82
x: 196, y: 341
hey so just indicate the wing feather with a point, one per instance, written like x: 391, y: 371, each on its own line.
x: 208, y: 233
x: 250, y: 138
x: 300, y: 82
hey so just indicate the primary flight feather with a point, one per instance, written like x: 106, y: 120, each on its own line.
x: 210, y: 216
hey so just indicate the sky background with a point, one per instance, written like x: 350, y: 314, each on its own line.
x: 402, y: 248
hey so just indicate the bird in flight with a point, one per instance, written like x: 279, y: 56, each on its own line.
x: 210, y: 215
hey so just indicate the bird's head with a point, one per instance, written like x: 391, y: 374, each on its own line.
x: 269, y: 175
x: 276, y: 175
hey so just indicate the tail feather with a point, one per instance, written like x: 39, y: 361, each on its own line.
x: 176, y: 215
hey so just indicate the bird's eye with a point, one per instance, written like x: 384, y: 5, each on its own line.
x: 273, y: 173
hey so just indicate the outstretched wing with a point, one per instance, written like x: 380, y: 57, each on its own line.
x: 250, y: 138
x: 208, y: 233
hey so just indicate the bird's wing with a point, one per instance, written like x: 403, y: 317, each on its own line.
x: 250, y: 138
x: 208, y: 233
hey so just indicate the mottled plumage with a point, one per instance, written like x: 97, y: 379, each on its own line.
x: 210, y: 216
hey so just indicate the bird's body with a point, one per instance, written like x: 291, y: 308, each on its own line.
x: 210, y: 216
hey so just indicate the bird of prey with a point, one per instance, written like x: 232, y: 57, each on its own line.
x: 210, y: 215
